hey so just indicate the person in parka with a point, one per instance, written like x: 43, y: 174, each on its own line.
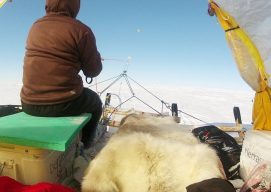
x: 58, y: 47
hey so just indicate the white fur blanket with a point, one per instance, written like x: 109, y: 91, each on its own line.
x: 150, y: 154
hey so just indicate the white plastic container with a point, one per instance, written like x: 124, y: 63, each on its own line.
x: 256, y: 149
x: 30, y: 165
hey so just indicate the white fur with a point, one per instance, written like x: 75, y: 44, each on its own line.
x: 163, y: 127
x: 150, y: 155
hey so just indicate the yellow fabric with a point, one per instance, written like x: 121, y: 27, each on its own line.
x: 2, y: 2
x: 262, y: 111
x: 246, y: 62
x: 250, y: 65
x: 227, y: 22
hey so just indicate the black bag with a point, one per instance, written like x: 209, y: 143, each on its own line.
x: 9, y: 110
x: 226, y: 147
x: 211, y: 185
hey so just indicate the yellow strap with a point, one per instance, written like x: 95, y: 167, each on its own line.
x: 262, y: 111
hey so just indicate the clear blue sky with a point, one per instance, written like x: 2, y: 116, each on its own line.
x: 170, y: 41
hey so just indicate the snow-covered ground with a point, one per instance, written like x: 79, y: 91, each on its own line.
x: 10, y: 93
x: 208, y: 105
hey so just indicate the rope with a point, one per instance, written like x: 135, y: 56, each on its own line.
x: 96, y: 87
x: 114, y: 59
x: 145, y: 89
x: 192, y: 116
x: 148, y: 106
x: 164, y: 103
x: 104, y: 81
x: 167, y: 105
x: 119, y: 106
x: 111, y: 84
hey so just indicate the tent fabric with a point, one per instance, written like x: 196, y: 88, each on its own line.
x: 10, y: 185
x: 246, y: 54
x: 253, y: 17
x: 253, y: 69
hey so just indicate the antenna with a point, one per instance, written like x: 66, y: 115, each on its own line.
x: 128, y: 61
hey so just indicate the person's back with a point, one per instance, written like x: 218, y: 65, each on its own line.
x: 57, y: 48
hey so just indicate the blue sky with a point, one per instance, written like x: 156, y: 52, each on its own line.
x: 170, y: 41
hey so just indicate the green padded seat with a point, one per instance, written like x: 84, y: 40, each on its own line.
x: 52, y: 133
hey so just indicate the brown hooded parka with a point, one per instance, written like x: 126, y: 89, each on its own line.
x: 57, y: 48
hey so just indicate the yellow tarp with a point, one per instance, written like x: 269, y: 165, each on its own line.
x: 262, y: 110
x: 2, y: 2
x: 250, y: 65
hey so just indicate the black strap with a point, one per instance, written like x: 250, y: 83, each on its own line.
x: 232, y: 29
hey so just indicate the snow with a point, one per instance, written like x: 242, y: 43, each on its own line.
x: 10, y: 93
x: 208, y: 105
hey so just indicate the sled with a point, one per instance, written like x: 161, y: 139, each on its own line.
x: 39, y: 149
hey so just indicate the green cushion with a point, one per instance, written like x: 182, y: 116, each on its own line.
x: 53, y: 133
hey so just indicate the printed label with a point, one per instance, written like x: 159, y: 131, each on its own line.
x: 253, y: 156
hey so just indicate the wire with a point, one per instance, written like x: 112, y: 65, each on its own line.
x: 118, y: 78
x: 192, y: 116
x: 145, y: 89
x: 114, y: 59
x: 105, y: 80
x: 119, y: 106
x: 167, y: 105
x: 96, y: 87
x: 148, y: 106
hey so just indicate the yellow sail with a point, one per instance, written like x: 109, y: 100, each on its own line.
x: 250, y: 63
x: 2, y: 2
